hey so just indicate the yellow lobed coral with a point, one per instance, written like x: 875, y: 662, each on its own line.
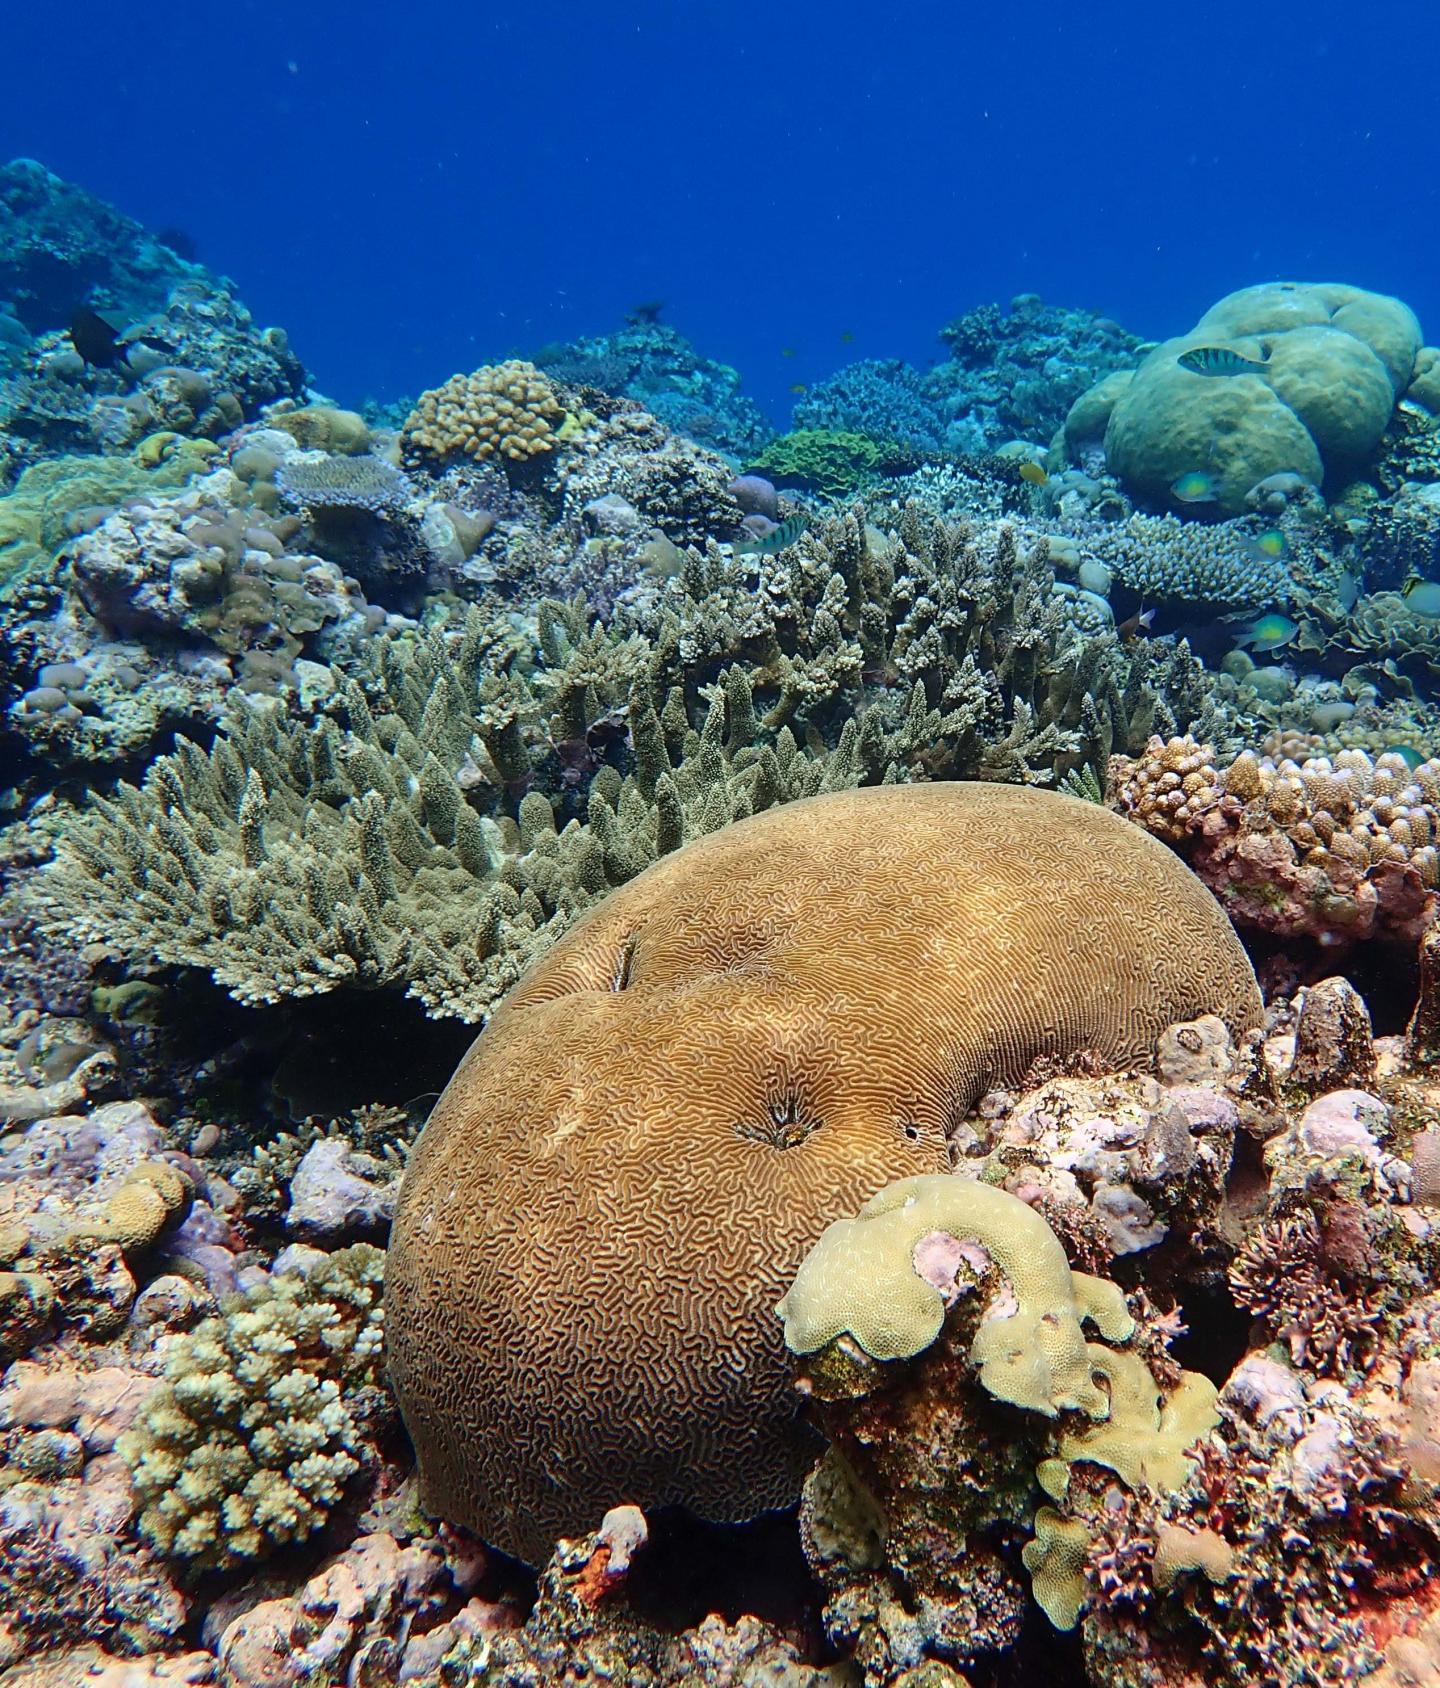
x: 859, y: 1278
x: 507, y: 410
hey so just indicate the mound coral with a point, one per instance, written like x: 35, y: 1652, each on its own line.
x: 249, y: 1442
x: 507, y: 410
x: 664, y: 1114
x: 656, y: 365
x: 1324, y: 366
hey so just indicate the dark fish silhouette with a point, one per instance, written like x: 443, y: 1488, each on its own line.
x: 180, y: 243
x: 96, y: 337
x: 102, y: 338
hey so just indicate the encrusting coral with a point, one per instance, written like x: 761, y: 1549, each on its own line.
x: 726, y: 1049
x: 252, y: 1437
x: 974, y: 1280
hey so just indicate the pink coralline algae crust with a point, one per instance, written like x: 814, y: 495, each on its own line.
x: 1264, y: 885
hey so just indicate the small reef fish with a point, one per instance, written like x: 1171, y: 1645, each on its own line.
x: 1269, y: 546
x: 767, y: 544
x: 1408, y: 754
x: 798, y: 387
x: 1133, y: 626
x: 787, y: 351
x: 1422, y: 596
x: 102, y: 338
x: 1269, y: 632
x: 1033, y: 473
x: 1218, y: 360
x: 846, y: 337
x: 1347, y: 590
x: 1194, y: 488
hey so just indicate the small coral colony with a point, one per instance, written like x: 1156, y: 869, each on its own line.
x: 941, y: 902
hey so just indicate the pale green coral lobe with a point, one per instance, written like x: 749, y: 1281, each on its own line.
x: 860, y: 1278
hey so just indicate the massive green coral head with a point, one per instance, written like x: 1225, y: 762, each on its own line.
x: 828, y: 461
x: 62, y: 496
x: 1317, y: 371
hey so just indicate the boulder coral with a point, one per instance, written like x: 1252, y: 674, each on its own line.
x: 1329, y: 361
x: 747, y: 1040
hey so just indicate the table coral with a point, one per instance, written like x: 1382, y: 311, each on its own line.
x: 1166, y: 560
x: 828, y: 461
x: 686, y: 1038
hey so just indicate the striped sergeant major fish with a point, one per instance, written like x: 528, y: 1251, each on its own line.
x: 1219, y: 360
x: 767, y: 544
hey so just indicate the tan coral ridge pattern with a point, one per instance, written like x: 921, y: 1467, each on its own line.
x: 750, y: 1038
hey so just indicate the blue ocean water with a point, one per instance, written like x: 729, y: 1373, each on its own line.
x: 415, y: 190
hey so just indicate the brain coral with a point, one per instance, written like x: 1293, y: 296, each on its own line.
x: 1335, y: 360
x: 739, y: 1045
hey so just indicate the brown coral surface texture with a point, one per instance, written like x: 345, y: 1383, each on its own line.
x: 742, y: 1044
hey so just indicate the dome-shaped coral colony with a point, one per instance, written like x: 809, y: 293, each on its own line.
x: 746, y: 1041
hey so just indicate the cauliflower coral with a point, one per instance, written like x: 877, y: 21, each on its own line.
x: 250, y: 1439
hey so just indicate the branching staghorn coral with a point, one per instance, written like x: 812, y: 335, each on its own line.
x: 473, y: 792
x: 251, y: 1439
